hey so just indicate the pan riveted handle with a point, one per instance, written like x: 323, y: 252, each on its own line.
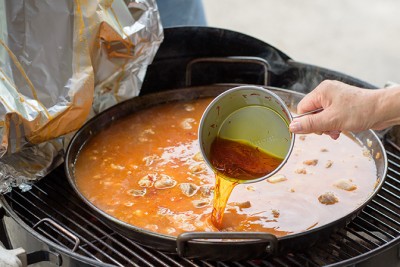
x: 226, y: 245
x: 227, y: 60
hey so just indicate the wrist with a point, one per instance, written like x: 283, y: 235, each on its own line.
x: 386, y: 107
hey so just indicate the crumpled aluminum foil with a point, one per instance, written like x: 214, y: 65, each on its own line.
x: 62, y: 62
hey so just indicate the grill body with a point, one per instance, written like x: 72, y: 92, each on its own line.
x: 51, y: 218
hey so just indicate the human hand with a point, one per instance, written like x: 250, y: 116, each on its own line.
x: 347, y: 108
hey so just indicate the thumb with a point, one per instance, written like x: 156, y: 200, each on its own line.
x: 308, y: 124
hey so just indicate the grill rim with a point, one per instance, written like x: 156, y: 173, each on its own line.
x: 77, y: 256
x: 10, y: 213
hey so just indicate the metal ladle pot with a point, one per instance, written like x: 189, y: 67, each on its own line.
x: 249, y: 114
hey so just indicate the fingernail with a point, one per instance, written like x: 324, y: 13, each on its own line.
x: 295, y: 127
x: 334, y: 134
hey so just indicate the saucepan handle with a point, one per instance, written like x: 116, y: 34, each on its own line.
x: 226, y: 245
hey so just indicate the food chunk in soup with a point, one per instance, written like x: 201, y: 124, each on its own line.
x: 311, y: 162
x: 148, y: 180
x: 276, y: 178
x: 329, y: 164
x: 165, y: 182
x: 188, y: 189
x: 345, y: 184
x: 328, y: 198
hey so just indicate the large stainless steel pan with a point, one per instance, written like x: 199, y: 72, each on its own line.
x: 234, y: 246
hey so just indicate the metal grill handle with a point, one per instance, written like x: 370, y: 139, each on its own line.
x: 252, y: 244
x: 62, y: 229
x: 234, y: 59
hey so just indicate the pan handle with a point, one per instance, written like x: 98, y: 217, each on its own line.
x: 234, y: 59
x: 245, y: 245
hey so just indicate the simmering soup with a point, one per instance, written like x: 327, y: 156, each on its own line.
x: 147, y: 170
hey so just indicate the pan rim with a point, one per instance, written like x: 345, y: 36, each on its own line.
x: 344, y: 220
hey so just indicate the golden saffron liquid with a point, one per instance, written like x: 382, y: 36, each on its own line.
x: 235, y: 162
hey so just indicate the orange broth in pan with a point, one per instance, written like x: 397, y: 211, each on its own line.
x: 147, y: 170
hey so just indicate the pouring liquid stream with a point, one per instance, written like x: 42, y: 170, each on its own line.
x: 236, y: 162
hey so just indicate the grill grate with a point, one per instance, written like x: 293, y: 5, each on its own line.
x: 373, y: 230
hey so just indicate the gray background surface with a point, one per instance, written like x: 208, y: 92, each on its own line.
x: 357, y: 37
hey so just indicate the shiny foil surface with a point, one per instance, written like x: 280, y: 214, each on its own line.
x: 62, y: 62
